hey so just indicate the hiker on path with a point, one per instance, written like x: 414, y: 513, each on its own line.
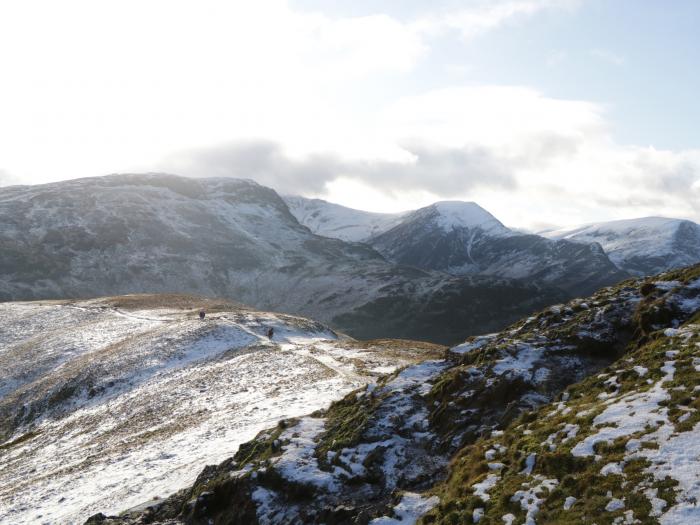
x: 270, y: 332
x: 202, y: 314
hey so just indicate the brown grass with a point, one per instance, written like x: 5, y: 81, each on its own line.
x: 418, y: 350
x: 171, y: 300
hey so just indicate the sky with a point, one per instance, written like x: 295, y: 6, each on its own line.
x: 548, y: 113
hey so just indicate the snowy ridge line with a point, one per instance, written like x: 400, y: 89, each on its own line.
x: 642, y: 246
x: 336, y: 221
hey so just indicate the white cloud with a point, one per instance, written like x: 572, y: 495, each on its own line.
x: 311, y: 102
x: 6, y: 179
x: 358, y: 46
x: 491, y: 115
x: 95, y: 87
x: 530, y: 159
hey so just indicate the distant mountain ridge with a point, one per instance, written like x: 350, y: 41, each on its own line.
x: 643, y: 246
x: 461, y: 238
x: 160, y: 233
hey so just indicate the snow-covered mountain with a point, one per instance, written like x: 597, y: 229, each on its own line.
x: 462, y: 238
x: 642, y: 246
x: 336, y: 221
x: 232, y: 238
x: 108, y: 403
x: 452, y: 215
x: 339, y: 222
x: 587, y: 412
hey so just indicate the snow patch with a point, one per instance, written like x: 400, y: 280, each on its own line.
x: 411, y: 507
x: 482, y: 488
x: 569, y: 502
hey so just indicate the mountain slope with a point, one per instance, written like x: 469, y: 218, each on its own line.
x: 462, y: 238
x: 508, y: 428
x: 109, y: 402
x: 642, y: 246
x: 336, y: 221
x: 233, y: 238
x: 618, y: 447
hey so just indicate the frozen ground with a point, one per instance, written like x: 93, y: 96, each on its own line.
x: 398, y: 446
x: 104, y: 408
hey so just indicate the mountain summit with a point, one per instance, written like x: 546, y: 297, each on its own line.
x: 451, y: 215
x: 451, y: 236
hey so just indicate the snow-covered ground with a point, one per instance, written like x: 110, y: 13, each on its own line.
x: 641, y: 420
x: 110, y: 407
x: 650, y: 427
x: 400, y: 436
x: 382, y: 452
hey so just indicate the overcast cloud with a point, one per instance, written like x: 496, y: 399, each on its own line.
x: 442, y: 171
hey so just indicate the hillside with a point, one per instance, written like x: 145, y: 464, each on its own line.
x: 644, y: 246
x: 156, y: 233
x: 107, y: 403
x: 583, y: 413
